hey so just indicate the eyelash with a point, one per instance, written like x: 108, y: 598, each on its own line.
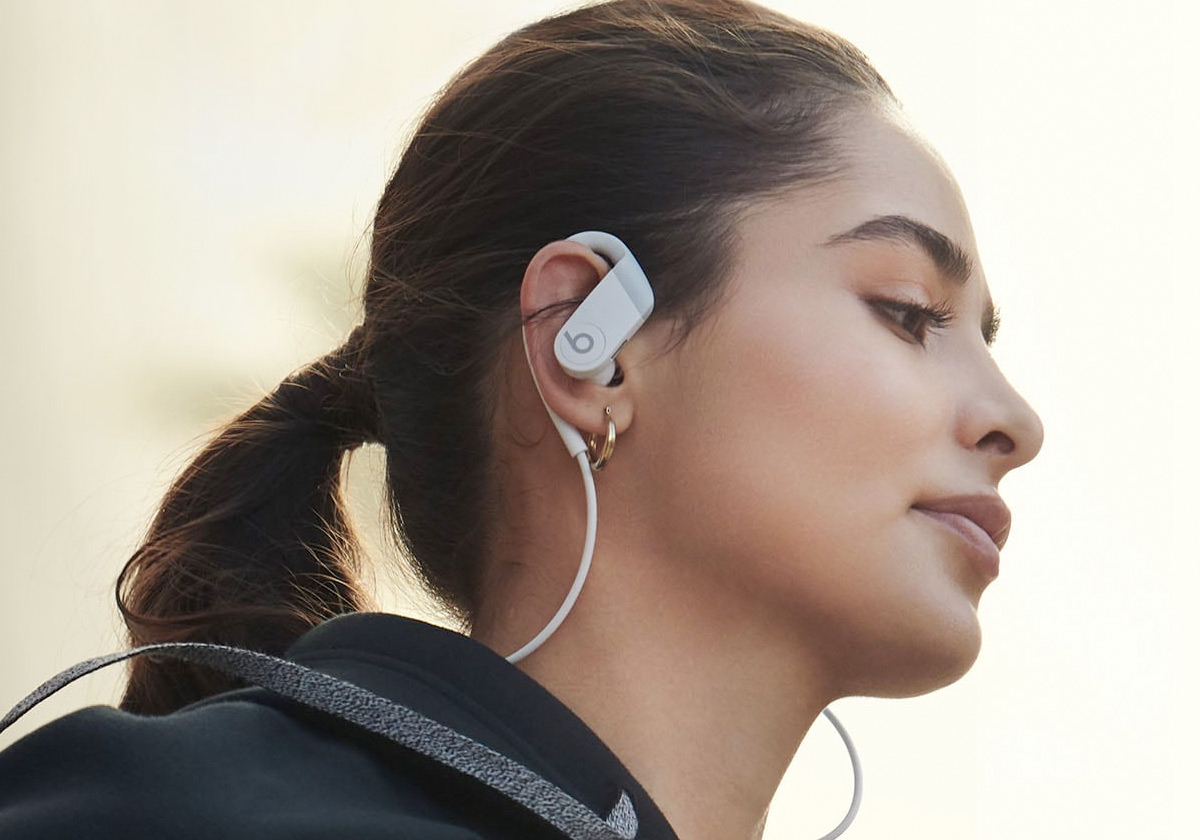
x: 936, y: 317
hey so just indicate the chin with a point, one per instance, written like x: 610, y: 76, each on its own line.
x: 915, y: 663
x: 940, y: 661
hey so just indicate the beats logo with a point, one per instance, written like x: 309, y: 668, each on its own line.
x: 583, y: 342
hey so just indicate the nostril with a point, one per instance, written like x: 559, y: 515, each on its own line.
x: 999, y: 441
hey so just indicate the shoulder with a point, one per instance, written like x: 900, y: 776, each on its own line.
x: 234, y: 768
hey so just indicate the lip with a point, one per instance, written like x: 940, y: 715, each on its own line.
x: 981, y: 520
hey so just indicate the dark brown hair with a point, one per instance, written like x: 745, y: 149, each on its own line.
x: 655, y: 121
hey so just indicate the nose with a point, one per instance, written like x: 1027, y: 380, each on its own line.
x: 996, y: 421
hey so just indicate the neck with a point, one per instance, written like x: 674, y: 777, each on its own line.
x: 705, y: 707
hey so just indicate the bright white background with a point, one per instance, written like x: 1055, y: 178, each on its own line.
x: 184, y: 191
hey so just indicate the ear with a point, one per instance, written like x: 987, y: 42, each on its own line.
x: 564, y: 272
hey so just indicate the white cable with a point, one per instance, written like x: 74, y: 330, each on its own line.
x: 585, y: 563
x: 855, y: 800
x: 578, y: 449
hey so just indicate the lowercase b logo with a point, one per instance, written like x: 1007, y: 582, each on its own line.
x: 582, y: 342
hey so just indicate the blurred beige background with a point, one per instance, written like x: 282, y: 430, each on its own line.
x: 185, y: 190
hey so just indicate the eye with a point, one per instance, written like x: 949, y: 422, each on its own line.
x: 917, y: 320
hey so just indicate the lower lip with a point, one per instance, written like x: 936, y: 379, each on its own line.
x: 983, y: 551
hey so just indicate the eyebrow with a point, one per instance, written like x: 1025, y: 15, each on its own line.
x: 953, y: 262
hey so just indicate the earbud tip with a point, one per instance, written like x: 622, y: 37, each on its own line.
x: 606, y: 374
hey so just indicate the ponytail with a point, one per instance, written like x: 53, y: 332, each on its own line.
x: 252, y: 545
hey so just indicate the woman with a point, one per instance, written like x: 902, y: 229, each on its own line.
x: 803, y: 445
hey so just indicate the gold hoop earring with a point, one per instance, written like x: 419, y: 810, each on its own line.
x: 599, y: 459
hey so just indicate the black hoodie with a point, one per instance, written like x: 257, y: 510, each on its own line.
x: 252, y: 764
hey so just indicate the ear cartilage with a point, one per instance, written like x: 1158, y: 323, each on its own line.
x: 609, y: 315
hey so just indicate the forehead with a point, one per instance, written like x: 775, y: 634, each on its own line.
x: 889, y: 171
x: 893, y: 170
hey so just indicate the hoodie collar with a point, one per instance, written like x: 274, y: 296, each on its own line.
x: 463, y: 684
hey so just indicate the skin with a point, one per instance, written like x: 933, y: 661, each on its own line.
x: 758, y: 555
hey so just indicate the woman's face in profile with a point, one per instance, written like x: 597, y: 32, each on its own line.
x: 801, y: 423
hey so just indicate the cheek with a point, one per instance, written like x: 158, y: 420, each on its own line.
x: 826, y: 404
x: 795, y: 448
x: 782, y: 461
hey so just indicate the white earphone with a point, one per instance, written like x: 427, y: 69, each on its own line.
x: 611, y: 313
x: 586, y: 347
